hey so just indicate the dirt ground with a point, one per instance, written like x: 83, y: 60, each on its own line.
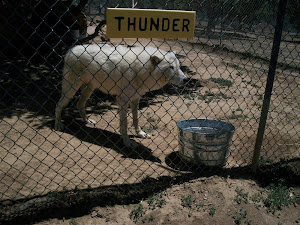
x: 36, y: 160
x: 226, y: 86
x: 212, y: 200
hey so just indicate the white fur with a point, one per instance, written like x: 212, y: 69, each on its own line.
x: 125, y: 72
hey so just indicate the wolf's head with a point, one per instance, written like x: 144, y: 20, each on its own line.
x: 169, y: 67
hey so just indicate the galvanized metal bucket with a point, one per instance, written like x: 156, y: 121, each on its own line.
x: 205, y: 141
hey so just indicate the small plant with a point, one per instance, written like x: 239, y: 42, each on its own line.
x: 151, y: 119
x: 246, y: 55
x: 260, y: 97
x: 243, y: 213
x: 137, y: 212
x: 212, y: 211
x: 222, y: 95
x: 264, y: 160
x: 255, y: 85
x: 161, y: 202
x: 235, y: 66
x: 209, y: 96
x: 151, y: 218
x: 237, y: 219
x: 222, y: 82
x: 73, y: 222
x: 277, y: 198
x: 188, y: 202
x: 151, y: 200
x: 236, y: 116
x: 148, y: 219
x: 241, y: 197
x: 257, y: 104
x: 257, y: 198
x: 240, y: 216
x: 190, y: 96
x: 296, y: 199
x: 155, y: 202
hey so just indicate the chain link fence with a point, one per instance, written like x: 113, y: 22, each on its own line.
x: 227, y: 63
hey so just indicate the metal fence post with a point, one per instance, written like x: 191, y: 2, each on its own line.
x: 270, y: 82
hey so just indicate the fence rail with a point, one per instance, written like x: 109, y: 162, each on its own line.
x: 227, y: 63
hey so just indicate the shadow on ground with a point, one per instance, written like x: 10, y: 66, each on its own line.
x: 77, y: 203
x: 107, y: 139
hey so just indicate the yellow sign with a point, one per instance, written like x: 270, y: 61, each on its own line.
x: 149, y: 23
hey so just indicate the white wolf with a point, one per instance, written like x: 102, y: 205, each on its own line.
x: 125, y: 72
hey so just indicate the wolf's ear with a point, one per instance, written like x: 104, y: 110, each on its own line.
x: 155, y: 60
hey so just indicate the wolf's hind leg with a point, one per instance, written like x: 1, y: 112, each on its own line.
x: 86, y: 93
x: 68, y: 91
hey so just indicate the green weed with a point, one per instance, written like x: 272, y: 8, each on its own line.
x: 222, y: 82
x: 151, y: 119
x: 246, y: 55
x: 73, y: 222
x: 190, y: 96
x: 155, y: 202
x: 277, y: 198
x: 255, y: 85
x: 256, y: 199
x: 242, y: 196
x: 148, y: 219
x: 151, y: 218
x: 212, y: 211
x: 209, y: 96
x: 235, y: 66
x: 260, y: 97
x: 257, y: 104
x: 264, y: 160
x: 188, y: 201
x: 240, y: 216
x: 236, y: 116
x: 137, y: 213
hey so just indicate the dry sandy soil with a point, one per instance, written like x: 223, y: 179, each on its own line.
x: 212, y: 200
x: 36, y: 160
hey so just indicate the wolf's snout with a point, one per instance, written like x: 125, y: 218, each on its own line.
x: 182, y: 80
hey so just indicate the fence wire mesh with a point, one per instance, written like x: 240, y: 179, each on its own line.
x: 226, y: 62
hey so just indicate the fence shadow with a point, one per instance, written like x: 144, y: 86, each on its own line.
x: 75, y: 203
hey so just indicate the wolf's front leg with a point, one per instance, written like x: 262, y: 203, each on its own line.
x: 134, y: 108
x: 123, y: 105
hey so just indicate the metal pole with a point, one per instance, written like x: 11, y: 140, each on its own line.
x: 270, y: 82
